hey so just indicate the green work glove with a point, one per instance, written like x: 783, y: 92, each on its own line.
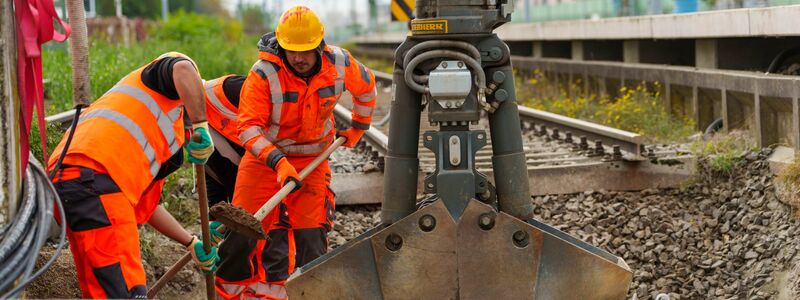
x: 216, y: 235
x: 206, y: 261
x: 200, y: 151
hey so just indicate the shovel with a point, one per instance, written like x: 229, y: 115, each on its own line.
x: 238, y: 220
x: 200, y: 173
x: 200, y: 177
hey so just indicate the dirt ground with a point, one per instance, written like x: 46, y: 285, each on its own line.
x: 60, y: 281
x: 158, y: 252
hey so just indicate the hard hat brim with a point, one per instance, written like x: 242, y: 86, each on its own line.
x: 300, y: 47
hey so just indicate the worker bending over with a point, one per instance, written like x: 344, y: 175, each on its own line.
x: 285, y: 121
x: 110, y: 181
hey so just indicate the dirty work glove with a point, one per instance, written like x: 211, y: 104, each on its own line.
x: 287, y: 172
x: 216, y: 235
x: 206, y: 261
x: 200, y: 151
x: 353, y: 135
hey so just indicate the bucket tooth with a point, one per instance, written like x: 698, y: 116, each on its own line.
x: 486, y: 254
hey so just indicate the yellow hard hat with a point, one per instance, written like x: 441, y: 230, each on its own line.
x: 299, y: 29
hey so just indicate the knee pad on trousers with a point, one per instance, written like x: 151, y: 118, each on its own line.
x: 238, y: 260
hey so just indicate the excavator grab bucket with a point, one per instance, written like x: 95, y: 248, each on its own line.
x: 457, y: 247
x: 486, y: 254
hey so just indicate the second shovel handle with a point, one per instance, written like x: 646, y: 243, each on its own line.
x: 287, y: 189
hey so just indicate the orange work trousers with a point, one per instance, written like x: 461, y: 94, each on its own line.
x: 103, y: 236
x: 297, y: 229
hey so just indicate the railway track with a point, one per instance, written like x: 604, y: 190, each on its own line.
x: 564, y: 155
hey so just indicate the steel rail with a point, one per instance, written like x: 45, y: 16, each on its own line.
x: 630, y: 143
x: 373, y: 136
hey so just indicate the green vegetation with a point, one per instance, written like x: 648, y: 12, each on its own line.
x: 151, y: 9
x: 790, y: 175
x: 53, y: 135
x: 637, y: 109
x: 789, y: 184
x: 217, y: 45
x: 723, y: 152
x: 376, y: 64
x: 177, y: 197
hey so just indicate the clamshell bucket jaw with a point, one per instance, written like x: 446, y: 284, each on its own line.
x: 485, y: 254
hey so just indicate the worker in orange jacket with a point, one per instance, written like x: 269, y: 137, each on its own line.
x: 111, y: 177
x: 222, y: 109
x: 285, y: 121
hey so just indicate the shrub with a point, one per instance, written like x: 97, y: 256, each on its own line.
x: 723, y: 152
x: 636, y: 109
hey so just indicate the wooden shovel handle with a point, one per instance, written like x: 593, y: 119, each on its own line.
x: 259, y: 215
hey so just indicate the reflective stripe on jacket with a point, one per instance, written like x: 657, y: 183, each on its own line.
x: 280, y: 113
x: 223, y: 118
x: 128, y: 133
x: 221, y: 114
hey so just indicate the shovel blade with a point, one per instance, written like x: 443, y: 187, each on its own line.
x: 239, y: 220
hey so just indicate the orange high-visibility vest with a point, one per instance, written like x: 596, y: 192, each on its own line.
x: 280, y: 113
x: 128, y: 133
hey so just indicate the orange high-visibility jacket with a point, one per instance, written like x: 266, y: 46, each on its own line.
x: 128, y: 133
x: 222, y: 115
x: 223, y: 120
x: 279, y: 113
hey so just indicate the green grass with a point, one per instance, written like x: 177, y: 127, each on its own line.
x: 790, y: 175
x: 723, y: 152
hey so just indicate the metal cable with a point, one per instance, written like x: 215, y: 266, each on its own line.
x: 23, y: 239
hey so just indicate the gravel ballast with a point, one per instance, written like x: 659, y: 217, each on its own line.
x: 723, y: 236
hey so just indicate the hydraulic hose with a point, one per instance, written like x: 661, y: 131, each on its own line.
x: 440, y: 44
x: 71, y: 129
x: 421, y: 79
x: 472, y: 63
x: 383, y: 121
x: 714, y: 127
x: 780, y: 58
x: 24, y: 237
